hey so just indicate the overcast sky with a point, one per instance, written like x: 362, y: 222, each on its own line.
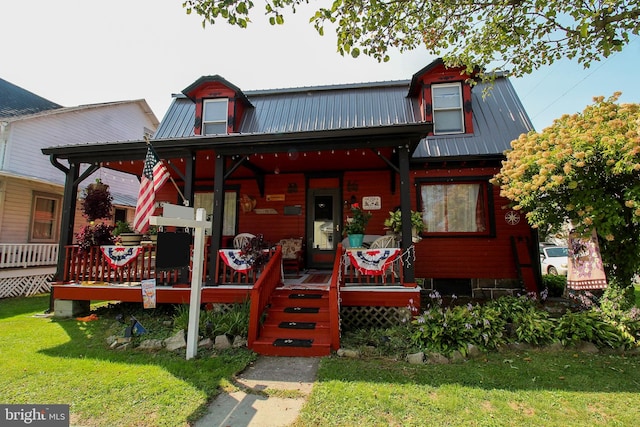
x: 75, y: 52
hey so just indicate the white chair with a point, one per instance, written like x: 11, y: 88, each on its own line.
x: 388, y: 241
x: 242, y: 239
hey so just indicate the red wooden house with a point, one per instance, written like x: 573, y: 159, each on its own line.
x: 289, y: 163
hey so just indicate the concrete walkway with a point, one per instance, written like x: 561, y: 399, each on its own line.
x: 251, y: 405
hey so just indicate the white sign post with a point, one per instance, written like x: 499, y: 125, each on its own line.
x: 200, y: 224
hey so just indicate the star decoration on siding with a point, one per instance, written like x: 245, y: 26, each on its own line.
x: 512, y: 217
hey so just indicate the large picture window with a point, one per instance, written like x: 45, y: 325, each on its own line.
x: 455, y: 207
x: 44, y: 218
x: 214, y: 117
x: 447, y: 108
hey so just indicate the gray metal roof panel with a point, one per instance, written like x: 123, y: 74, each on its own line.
x: 178, y: 120
x: 498, y: 119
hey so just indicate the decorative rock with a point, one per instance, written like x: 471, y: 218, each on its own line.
x: 587, y: 347
x: 555, y: 346
x: 151, y: 345
x: 176, y: 342
x: 167, y: 322
x: 437, y: 359
x: 206, y: 343
x: 222, y: 342
x: 239, y: 341
x: 518, y: 346
x: 456, y: 356
x: 111, y: 339
x: 473, y: 351
x: 416, y: 358
x: 123, y: 340
x: 343, y: 352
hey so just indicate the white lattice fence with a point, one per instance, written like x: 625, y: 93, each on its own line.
x: 25, y: 285
x: 372, y: 317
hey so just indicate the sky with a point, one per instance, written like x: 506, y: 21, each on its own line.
x: 76, y: 52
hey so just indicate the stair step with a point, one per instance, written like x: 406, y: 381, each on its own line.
x: 302, y: 310
x: 297, y: 325
x: 301, y: 295
x: 292, y: 342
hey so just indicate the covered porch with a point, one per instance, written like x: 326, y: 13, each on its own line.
x: 291, y: 314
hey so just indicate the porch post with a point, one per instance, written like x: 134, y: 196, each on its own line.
x: 405, y: 208
x: 69, y: 201
x: 190, y: 177
x: 218, y: 214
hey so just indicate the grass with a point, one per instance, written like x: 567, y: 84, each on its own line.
x: 67, y: 361
x: 503, y: 389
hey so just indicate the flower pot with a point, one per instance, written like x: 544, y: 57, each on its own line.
x: 355, y: 240
x: 130, y: 239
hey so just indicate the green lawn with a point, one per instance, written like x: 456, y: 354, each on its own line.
x: 45, y: 361
x: 527, y: 389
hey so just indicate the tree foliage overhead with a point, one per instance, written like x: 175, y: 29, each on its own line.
x: 520, y: 35
x: 585, y: 168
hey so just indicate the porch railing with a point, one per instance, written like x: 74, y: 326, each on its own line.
x: 269, y: 280
x: 92, y: 266
x: 24, y: 255
x: 337, y: 280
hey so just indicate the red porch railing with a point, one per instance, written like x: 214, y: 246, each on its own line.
x: 92, y: 266
x: 337, y: 280
x: 269, y: 280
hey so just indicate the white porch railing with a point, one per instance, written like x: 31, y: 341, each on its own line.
x: 23, y: 255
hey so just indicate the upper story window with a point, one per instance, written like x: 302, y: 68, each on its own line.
x: 214, y: 117
x: 448, y: 114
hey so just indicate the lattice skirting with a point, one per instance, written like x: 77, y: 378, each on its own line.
x: 25, y: 286
x: 372, y: 317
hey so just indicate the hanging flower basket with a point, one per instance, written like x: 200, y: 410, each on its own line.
x: 97, y: 201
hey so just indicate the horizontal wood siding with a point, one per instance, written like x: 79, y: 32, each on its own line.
x: 16, y: 208
x: 274, y: 226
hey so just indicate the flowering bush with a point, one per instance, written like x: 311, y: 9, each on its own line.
x: 583, y: 169
x: 357, y: 223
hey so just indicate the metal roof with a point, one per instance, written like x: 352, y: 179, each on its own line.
x: 498, y: 118
x: 15, y: 101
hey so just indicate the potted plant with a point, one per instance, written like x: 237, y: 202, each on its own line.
x: 126, y: 235
x: 356, y: 224
x: 152, y: 233
x: 394, y: 223
x: 95, y: 235
x: 97, y: 201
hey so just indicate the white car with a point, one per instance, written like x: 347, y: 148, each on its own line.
x: 553, y: 260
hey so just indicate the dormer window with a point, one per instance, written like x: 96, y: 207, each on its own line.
x: 214, y: 117
x: 448, y: 116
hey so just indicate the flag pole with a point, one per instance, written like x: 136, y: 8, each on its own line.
x: 184, y: 200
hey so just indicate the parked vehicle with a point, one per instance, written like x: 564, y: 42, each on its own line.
x: 553, y: 259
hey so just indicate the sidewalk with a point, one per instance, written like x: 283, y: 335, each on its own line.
x: 251, y: 405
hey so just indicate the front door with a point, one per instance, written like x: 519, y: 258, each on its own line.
x: 324, y: 226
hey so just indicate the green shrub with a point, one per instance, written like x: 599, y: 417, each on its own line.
x: 212, y: 322
x: 589, y: 326
x: 529, y: 324
x: 555, y: 284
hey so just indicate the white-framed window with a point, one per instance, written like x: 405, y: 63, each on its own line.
x: 447, y: 108
x: 455, y: 207
x: 45, y: 213
x: 214, y: 116
x: 230, y: 219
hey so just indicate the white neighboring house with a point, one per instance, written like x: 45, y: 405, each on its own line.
x: 31, y: 187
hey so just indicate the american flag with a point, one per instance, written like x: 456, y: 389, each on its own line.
x: 154, y: 175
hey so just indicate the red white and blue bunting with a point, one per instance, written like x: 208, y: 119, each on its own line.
x: 373, y: 261
x: 119, y: 256
x: 234, y: 259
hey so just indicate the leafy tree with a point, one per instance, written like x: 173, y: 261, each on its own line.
x: 520, y: 34
x: 585, y: 168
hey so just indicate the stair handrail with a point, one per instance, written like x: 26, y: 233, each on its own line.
x: 269, y: 280
x: 337, y: 280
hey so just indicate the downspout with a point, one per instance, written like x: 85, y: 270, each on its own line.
x: 4, y: 141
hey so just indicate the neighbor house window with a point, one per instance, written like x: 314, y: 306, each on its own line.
x: 214, y: 117
x: 458, y: 207
x: 447, y: 108
x: 44, y: 218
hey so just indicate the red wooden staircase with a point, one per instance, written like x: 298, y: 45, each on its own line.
x: 296, y: 324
